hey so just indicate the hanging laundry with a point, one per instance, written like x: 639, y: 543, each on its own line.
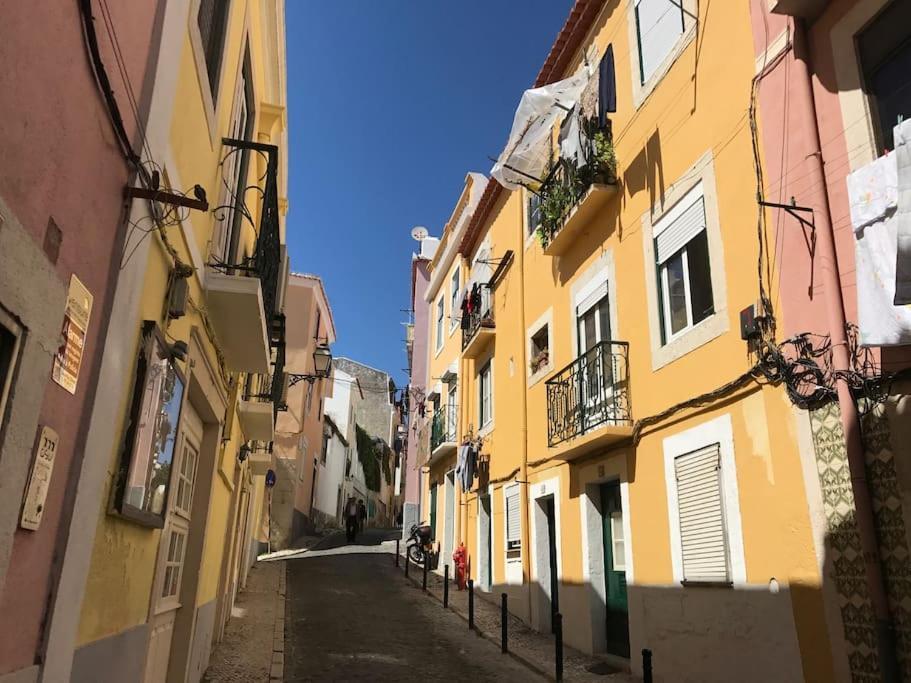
x: 902, y: 135
x: 607, y: 86
x: 873, y: 197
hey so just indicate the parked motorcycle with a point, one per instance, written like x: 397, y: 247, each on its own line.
x: 419, y: 543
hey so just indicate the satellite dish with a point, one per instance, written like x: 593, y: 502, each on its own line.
x: 419, y: 233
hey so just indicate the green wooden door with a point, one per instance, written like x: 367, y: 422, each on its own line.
x: 617, y: 613
x: 433, y: 511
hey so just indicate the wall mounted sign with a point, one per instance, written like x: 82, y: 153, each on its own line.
x: 75, y: 323
x: 40, y: 479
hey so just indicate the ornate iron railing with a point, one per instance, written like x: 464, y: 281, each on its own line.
x: 569, y: 179
x: 443, y: 427
x: 271, y: 386
x: 480, y: 316
x: 265, y: 261
x: 590, y: 392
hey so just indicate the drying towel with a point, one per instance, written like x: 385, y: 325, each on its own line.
x: 902, y: 134
x: 872, y: 193
x: 607, y: 86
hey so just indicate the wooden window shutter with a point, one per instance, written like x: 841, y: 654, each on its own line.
x: 700, y: 505
x: 513, y: 522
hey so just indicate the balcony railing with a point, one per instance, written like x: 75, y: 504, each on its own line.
x: 270, y: 387
x: 266, y: 261
x: 569, y: 180
x: 480, y: 317
x: 443, y: 427
x: 590, y: 392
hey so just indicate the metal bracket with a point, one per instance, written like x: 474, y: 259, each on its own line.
x: 166, y: 198
x: 809, y: 239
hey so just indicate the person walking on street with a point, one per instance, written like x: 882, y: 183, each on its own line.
x: 362, y: 514
x: 351, y: 519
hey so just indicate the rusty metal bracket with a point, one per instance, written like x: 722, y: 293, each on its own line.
x: 166, y: 198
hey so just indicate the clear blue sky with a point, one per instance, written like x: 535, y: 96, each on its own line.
x: 390, y: 104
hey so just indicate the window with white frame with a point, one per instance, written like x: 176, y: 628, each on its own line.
x: 700, y: 510
x: 513, y: 520
x: 186, y: 476
x: 539, y: 356
x: 532, y: 212
x: 173, y: 562
x: 618, y: 541
x: 212, y: 20
x: 485, y: 394
x: 659, y: 25
x: 684, y: 270
x: 454, y: 299
x: 440, y: 315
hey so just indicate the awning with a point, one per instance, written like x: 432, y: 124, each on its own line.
x: 525, y: 157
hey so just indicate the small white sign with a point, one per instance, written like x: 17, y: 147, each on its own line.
x: 40, y: 479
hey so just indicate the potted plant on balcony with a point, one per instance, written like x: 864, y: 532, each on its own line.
x: 555, y: 202
x: 605, y: 158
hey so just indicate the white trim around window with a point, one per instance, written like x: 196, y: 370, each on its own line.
x: 718, y: 431
x: 656, y: 72
x: 439, y: 323
x: 455, y: 296
x: 546, y: 320
x: 665, y: 351
x: 485, y: 384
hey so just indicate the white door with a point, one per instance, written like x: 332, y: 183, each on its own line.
x: 449, y: 522
x: 173, y: 547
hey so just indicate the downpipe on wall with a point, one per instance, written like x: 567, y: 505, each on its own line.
x: 835, y: 313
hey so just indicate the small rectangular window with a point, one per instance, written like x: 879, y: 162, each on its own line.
x: 684, y: 270
x: 659, y: 25
x: 454, y: 299
x: 485, y: 395
x: 540, y: 349
x: 10, y: 339
x: 532, y: 212
x: 513, y: 520
x: 154, y: 415
x: 440, y: 317
x: 700, y: 509
x: 212, y: 19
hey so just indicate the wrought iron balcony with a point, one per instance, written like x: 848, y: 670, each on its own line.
x: 575, y: 190
x: 443, y: 427
x: 478, y: 325
x: 590, y: 393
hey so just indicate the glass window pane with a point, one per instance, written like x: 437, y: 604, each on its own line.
x: 676, y: 292
x: 697, y: 255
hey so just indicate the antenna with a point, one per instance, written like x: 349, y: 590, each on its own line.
x: 419, y: 233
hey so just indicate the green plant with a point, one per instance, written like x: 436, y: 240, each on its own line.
x: 605, y: 155
x: 554, y: 204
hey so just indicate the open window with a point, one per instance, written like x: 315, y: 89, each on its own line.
x: 684, y: 270
x: 539, y: 356
x: 144, y: 475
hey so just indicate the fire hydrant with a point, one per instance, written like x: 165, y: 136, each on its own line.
x: 460, y: 561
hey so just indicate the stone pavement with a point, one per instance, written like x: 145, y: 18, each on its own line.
x: 535, y: 650
x: 351, y: 616
x: 251, y: 649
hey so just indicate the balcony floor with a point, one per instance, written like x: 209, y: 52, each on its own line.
x: 605, y: 436
x: 235, y: 306
x: 580, y: 216
x: 479, y: 341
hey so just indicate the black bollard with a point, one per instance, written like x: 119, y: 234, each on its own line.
x: 407, y: 561
x: 470, y: 604
x: 446, y: 586
x: 426, y: 562
x: 504, y: 615
x: 646, y: 666
x: 396, y: 552
x: 558, y: 646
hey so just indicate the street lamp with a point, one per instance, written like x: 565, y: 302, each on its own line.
x: 322, y: 362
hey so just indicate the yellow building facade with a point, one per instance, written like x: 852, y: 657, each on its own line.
x: 185, y: 424
x: 632, y: 476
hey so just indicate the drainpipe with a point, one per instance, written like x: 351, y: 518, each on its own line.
x: 835, y: 311
x: 523, y: 407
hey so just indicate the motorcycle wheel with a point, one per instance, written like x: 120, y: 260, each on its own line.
x: 415, y: 554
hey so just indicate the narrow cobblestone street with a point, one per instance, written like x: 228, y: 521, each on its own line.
x: 351, y: 616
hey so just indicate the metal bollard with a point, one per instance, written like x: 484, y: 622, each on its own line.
x: 407, y: 562
x: 646, y: 666
x: 446, y: 586
x: 426, y: 562
x: 470, y: 604
x: 396, y: 552
x: 558, y: 646
x: 504, y: 616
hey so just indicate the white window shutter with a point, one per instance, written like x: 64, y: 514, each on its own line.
x: 660, y: 24
x: 513, y: 522
x: 689, y: 223
x: 703, y: 538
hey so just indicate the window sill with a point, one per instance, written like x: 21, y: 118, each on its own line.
x: 540, y: 374
x: 699, y: 335
x: 486, y: 429
x: 707, y: 584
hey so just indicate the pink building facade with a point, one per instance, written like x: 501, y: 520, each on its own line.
x: 62, y: 227
x: 832, y: 78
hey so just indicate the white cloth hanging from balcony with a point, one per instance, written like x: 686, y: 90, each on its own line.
x: 873, y: 192
x: 528, y: 149
x: 902, y: 136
